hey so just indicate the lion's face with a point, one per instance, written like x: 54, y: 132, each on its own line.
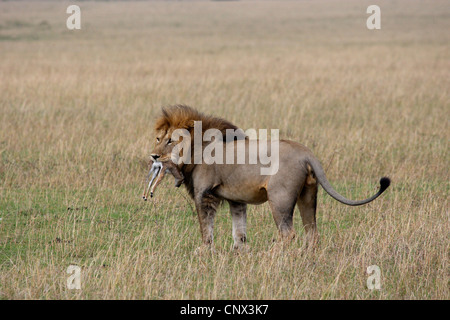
x: 181, y: 117
x: 163, y: 145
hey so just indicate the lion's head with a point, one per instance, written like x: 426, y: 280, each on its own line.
x: 182, y: 117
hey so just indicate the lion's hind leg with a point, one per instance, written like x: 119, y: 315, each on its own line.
x: 307, y: 204
x: 282, y: 206
x: 282, y: 194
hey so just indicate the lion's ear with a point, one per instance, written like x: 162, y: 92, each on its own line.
x: 190, y: 124
x: 187, y: 124
x: 161, y: 124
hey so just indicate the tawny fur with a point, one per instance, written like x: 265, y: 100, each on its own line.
x: 295, y: 183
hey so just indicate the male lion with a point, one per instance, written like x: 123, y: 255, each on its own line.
x: 240, y: 184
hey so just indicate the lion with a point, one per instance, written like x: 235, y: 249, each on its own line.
x: 295, y: 183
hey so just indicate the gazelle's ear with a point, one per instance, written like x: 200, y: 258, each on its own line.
x: 162, y: 124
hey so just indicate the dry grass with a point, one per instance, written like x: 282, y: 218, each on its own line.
x: 77, y: 109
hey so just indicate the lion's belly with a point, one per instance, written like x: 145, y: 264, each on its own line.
x: 252, y: 194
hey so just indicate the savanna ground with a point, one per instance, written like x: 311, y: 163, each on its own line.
x: 77, y: 110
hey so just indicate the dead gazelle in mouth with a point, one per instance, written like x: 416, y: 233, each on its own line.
x: 156, y: 174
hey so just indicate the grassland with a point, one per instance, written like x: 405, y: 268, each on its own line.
x: 76, y: 115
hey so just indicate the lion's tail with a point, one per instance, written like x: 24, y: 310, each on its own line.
x: 320, y: 174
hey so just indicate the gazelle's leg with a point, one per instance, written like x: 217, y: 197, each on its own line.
x: 162, y: 173
x: 155, y: 172
x: 146, y: 181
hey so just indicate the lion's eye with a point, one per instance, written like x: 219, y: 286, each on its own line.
x: 169, y: 141
x: 157, y: 139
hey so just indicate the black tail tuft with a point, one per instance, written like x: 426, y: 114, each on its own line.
x: 385, y: 182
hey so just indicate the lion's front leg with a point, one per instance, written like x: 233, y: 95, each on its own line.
x: 206, y: 205
x: 239, y: 217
